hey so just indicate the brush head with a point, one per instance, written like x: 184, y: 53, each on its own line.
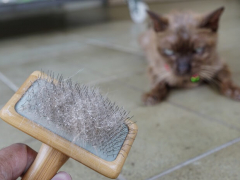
x: 74, y: 119
x: 77, y: 113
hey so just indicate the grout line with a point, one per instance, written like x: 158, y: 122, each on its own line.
x: 190, y: 161
x: 121, y: 177
x: 113, y: 46
x: 209, y: 118
x: 9, y: 83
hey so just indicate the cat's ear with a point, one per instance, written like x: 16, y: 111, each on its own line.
x: 211, y: 21
x: 159, y: 23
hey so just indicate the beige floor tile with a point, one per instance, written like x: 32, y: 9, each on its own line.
x: 235, y: 78
x: 35, y: 52
x: 33, y: 143
x: 123, y: 95
x: 108, y: 61
x: 37, y: 47
x: 10, y: 135
x: 18, y: 74
x: 222, y: 165
x: 206, y: 101
x: 123, y: 34
x: 228, y: 36
x: 231, y: 57
x: 93, y: 63
x: 6, y: 94
x: 168, y: 136
x: 139, y: 81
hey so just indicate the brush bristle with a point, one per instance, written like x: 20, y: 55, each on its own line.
x: 80, y: 110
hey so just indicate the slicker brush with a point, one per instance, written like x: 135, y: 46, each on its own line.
x: 72, y: 120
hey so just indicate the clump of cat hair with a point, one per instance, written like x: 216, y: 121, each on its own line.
x: 80, y: 110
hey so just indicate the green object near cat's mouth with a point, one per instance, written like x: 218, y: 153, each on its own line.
x: 195, y: 78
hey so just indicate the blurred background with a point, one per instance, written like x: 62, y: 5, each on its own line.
x: 28, y: 16
x: 194, y: 134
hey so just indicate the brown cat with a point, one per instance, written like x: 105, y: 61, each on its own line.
x: 181, y: 52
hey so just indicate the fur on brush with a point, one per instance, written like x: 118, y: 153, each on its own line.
x: 80, y: 110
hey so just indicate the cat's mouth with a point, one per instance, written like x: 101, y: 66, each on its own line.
x: 183, y: 69
x: 183, y: 66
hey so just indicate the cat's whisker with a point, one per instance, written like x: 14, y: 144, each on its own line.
x: 209, y: 68
x: 206, y: 75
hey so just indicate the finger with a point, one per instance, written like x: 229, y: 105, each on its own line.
x: 62, y: 176
x: 15, y: 160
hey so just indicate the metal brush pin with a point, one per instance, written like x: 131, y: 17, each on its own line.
x: 72, y: 120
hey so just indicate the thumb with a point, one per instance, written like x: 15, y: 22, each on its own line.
x: 14, y: 160
x: 62, y: 176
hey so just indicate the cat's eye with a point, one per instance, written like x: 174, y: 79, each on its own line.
x: 168, y: 52
x: 199, y: 50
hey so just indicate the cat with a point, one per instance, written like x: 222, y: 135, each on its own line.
x: 181, y: 49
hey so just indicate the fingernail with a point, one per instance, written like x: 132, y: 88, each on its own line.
x: 62, y: 176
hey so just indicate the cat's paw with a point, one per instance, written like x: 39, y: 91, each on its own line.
x: 233, y: 93
x: 150, y: 99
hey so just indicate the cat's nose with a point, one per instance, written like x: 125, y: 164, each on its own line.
x: 183, y: 68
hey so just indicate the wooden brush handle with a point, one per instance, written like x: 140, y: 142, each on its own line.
x: 46, y: 164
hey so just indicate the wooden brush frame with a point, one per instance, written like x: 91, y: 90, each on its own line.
x: 56, y: 150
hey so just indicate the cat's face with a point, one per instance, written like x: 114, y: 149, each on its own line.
x: 187, y: 52
x: 187, y: 43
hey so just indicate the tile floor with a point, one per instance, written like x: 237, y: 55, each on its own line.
x: 195, y: 134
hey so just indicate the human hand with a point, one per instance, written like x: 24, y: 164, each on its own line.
x: 15, y: 161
